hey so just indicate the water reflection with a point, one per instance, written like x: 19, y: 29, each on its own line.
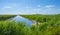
x: 22, y: 19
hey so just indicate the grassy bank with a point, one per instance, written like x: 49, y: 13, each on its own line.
x: 51, y: 26
x: 13, y: 28
x: 43, y: 18
x: 5, y: 17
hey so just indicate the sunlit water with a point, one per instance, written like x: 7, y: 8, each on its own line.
x: 22, y: 19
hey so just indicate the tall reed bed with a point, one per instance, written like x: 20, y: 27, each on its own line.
x: 13, y: 28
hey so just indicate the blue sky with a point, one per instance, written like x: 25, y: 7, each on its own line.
x: 29, y: 6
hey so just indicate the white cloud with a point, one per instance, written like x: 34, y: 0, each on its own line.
x: 28, y: 7
x: 38, y: 9
x: 50, y: 6
x: 7, y: 7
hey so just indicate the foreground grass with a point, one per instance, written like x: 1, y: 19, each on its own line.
x: 50, y: 26
x: 13, y: 28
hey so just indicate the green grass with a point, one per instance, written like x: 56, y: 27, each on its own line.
x: 13, y: 28
x: 50, y: 26
x: 43, y: 18
x: 5, y: 17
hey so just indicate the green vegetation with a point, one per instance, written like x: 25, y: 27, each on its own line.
x: 13, y: 28
x: 50, y: 25
x: 5, y: 17
x: 43, y: 18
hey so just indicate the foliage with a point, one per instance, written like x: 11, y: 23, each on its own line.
x: 43, y: 18
x: 13, y: 28
x: 50, y: 25
x: 5, y: 17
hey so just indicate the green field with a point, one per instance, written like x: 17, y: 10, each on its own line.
x: 5, y: 17
x: 43, y: 18
x: 13, y: 28
x: 50, y: 25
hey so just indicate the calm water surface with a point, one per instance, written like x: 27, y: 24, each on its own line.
x: 22, y: 19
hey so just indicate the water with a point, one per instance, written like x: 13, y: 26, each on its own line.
x: 22, y: 19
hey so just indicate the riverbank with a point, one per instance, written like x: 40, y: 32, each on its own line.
x: 47, y: 25
x: 43, y: 18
